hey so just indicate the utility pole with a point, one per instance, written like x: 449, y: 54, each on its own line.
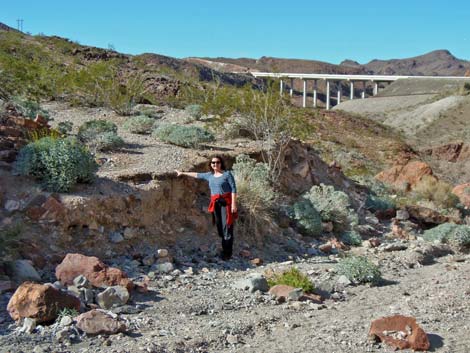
x: 20, y: 24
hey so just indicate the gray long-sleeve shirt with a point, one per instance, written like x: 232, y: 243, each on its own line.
x: 221, y: 184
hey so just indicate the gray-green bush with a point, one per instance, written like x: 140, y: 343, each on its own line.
x: 454, y: 234
x: 255, y: 194
x: 140, y: 124
x: 57, y: 163
x: 333, y: 205
x: 100, y: 135
x: 378, y: 203
x: 194, y: 110
x: 307, y: 217
x: 29, y: 108
x: 352, y: 238
x: 359, y: 269
x: 185, y: 136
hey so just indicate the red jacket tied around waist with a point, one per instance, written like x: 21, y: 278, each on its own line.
x: 228, y: 207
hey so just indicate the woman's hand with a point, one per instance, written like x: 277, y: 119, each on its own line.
x: 234, y: 208
x: 178, y: 173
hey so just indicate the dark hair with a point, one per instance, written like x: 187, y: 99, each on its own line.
x: 222, y: 163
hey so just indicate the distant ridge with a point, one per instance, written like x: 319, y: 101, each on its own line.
x: 435, y: 63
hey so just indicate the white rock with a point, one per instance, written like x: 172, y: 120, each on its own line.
x: 66, y: 321
x: 112, y: 296
x: 12, y: 205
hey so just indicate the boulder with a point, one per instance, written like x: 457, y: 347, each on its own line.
x: 400, y: 332
x: 463, y: 193
x: 112, y: 296
x: 253, y: 282
x: 425, y: 216
x: 21, y: 271
x: 284, y: 292
x: 40, y: 302
x: 405, y: 177
x: 97, y: 322
x: 95, y: 271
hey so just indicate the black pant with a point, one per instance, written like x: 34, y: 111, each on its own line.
x: 225, y: 231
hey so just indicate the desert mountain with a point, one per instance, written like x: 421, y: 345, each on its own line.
x: 435, y: 63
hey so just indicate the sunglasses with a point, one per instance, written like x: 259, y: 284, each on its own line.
x: 215, y: 162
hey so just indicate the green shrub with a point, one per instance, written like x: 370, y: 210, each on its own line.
x: 140, y: 124
x: 29, y: 108
x: 307, y: 217
x: 65, y: 127
x: 359, y: 269
x: 57, y: 163
x: 333, y: 206
x: 100, y: 135
x: 194, y: 110
x: 72, y: 312
x: 90, y: 129
x: 294, y: 278
x: 351, y: 238
x: 256, y: 195
x: 185, y: 136
x: 107, y: 141
x: 454, y: 234
x: 377, y: 203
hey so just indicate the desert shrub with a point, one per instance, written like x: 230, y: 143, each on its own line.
x: 377, y: 203
x: 351, y: 238
x: 255, y: 194
x: 465, y: 89
x: 57, y: 163
x: 65, y: 127
x: 72, y: 312
x: 107, y: 141
x: 294, y: 278
x: 333, y: 206
x: 100, y: 135
x: 307, y: 217
x: 454, y: 234
x: 185, y: 136
x: 359, y: 269
x: 140, y: 124
x: 194, y: 110
x: 29, y: 108
x: 437, y: 191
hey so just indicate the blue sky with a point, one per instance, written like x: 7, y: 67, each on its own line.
x: 320, y: 30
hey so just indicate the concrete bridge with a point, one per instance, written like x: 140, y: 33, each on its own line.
x: 337, y: 79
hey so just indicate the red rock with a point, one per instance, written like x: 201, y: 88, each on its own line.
x: 426, y: 216
x: 55, y: 210
x: 400, y: 332
x: 385, y: 214
x: 257, y: 261
x: 406, y: 176
x: 281, y: 291
x: 463, y: 193
x: 35, y: 212
x: 337, y: 244
x: 97, y: 322
x: 99, y: 274
x: 315, y: 298
x: 245, y: 253
x: 374, y: 242
x: 142, y: 284
x: 326, y: 248
x: 40, y: 302
x: 40, y: 120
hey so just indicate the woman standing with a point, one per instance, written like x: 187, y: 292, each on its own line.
x: 223, y: 205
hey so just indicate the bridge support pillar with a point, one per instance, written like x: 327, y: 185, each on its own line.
x: 304, y: 97
x: 281, y: 87
x: 351, y: 91
x: 314, y: 93
x: 338, y: 101
x: 363, y: 93
x: 376, y: 88
x: 327, y: 95
x: 291, y: 91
